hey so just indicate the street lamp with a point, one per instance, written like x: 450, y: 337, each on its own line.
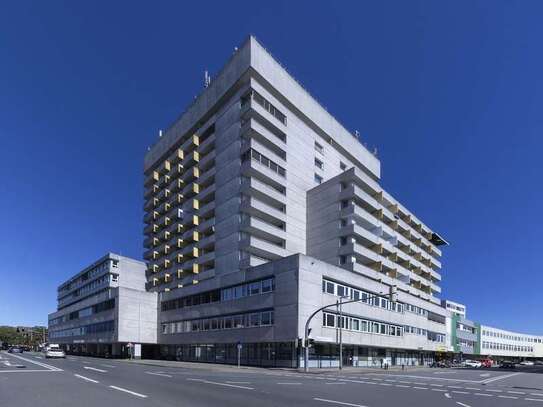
x: 392, y: 297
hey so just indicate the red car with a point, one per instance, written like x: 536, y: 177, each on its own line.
x: 487, y: 363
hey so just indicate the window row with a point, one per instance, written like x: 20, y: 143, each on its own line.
x: 225, y: 294
x: 262, y: 159
x: 507, y: 346
x: 248, y: 320
x: 340, y: 290
x: 101, y: 327
x: 102, y: 267
x: 258, y: 98
x: 510, y: 337
x: 360, y: 325
x: 84, y: 312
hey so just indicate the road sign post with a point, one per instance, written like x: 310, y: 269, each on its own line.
x: 239, y: 346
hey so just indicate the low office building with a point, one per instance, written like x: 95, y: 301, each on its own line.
x: 105, y: 307
x: 501, y: 344
x: 466, y: 338
x: 261, y: 207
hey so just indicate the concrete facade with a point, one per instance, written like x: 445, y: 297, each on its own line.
x: 104, y: 307
x: 241, y: 192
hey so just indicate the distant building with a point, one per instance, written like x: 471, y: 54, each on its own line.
x: 474, y: 339
x: 103, y: 308
x: 454, y: 307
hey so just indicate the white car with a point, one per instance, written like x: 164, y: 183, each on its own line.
x: 472, y: 363
x: 527, y: 363
x: 54, y: 351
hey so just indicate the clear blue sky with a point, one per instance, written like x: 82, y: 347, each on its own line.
x: 451, y: 94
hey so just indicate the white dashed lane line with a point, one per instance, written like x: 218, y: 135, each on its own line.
x: 143, y: 396
x: 86, y: 378
x: 220, y: 384
x: 95, y: 369
x: 341, y: 403
x: 159, y: 374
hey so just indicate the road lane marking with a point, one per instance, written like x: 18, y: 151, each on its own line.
x: 335, y: 383
x: 484, y: 394
x: 441, y: 390
x: 436, y: 385
x: 238, y: 382
x: 473, y: 388
x: 338, y: 402
x: 494, y: 379
x: 143, y: 396
x: 111, y: 366
x: 290, y: 383
x: 536, y: 394
x: 462, y: 404
x: 508, y: 397
x: 38, y: 357
x: 447, y: 395
x: 158, y: 374
x: 533, y: 399
x: 95, y: 369
x: 515, y: 392
x: 494, y: 390
x: 454, y: 387
x: 460, y: 392
x: 425, y: 377
x: 402, y: 385
x: 86, y: 378
x: 420, y: 388
x: 50, y: 367
x: 220, y: 384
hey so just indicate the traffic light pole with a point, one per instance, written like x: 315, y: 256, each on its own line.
x: 391, y: 297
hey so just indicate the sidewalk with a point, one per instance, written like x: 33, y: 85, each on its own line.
x: 219, y: 366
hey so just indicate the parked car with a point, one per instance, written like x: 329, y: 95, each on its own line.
x: 539, y: 362
x: 472, y: 363
x: 487, y: 363
x: 441, y: 364
x: 507, y: 364
x: 527, y: 363
x: 54, y: 351
x: 15, y: 349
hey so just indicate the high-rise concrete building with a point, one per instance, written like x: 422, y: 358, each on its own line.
x: 105, y: 307
x: 261, y: 207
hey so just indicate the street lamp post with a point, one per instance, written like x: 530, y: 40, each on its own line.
x: 392, y: 296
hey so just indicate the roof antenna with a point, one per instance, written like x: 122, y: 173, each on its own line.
x: 375, y: 151
x: 207, y: 79
x: 160, y: 134
x: 357, y: 134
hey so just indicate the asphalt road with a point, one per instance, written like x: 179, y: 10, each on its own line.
x: 82, y: 382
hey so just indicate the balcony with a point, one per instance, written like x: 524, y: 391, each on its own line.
x: 264, y: 230
x: 176, y: 157
x: 152, y: 179
x: 207, y: 145
x: 253, y: 168
x: 262, y: 191
x: 262, y: 248
x: 190, y: 144
x: 260, y: 209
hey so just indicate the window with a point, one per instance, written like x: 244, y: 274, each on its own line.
x: 319, y: 164
x: 319, y: 147
x: 342, y: 240
x: 342, y: 259
x: 344, y: 203
x: 342, y: 166
x: 318, y: 179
